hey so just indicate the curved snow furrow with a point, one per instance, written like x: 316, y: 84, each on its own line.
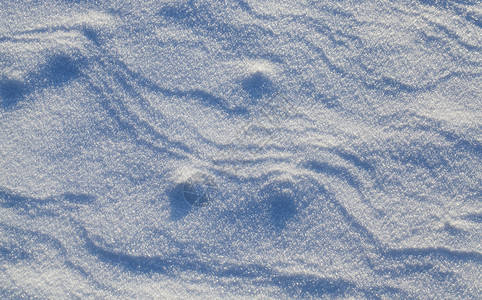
x: 328, y: 62
x: 62, y: 68
x: 295, y: 285
x: 463, y: 9
x: 36, y: 238
x: 204, y: 97
x: 277, y: 205
x: 372, y: 77
x: 25, y: 205
x: 390, y: 86
x: 130, y: 113
x: 13, y: 253
x: 31, y: 34
x: 404, y: 268
x: 452, y: 36
x: 280, y: 206
x: 476, y: 218
x: 429, y: 157
x: 418, y: 123
x: 150, y: 135
x: 356, y: 160
x: 141, y: 131
x: 34, y: 247
x: 411, y: 263
x: 137, y: 81
x: 408, y: 272
x: 244, y: 5
x: 202, y: 20
x: 379, y: 82
x: 174, y: 264
x: 89, y: 277
x: 15, y: 293
x: 348, y: 166
x: 474, y: 18
x: 337, y: 205
x: 400, y: 256
x: 332, y: 170
x: 262, y: 142
x: 339, y: 36
x: 410, y: 266
x: 51, y: 207
x: 443, y: 254
x: 139, y: 124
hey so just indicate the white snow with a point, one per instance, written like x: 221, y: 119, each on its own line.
x: 240, y: 149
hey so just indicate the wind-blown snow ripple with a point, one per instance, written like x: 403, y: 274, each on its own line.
x: 341, y: 142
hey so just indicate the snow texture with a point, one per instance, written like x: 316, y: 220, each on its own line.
x: 241, y: 149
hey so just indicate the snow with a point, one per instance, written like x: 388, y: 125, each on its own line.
x: 240, y: 149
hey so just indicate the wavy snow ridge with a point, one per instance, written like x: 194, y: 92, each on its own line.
x: 329, y: 150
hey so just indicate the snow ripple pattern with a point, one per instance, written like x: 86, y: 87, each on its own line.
x: 240, y: 149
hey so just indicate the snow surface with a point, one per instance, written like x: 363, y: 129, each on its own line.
x: 241, y: 149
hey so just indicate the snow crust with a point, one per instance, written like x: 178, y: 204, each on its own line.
x: 240, y: 149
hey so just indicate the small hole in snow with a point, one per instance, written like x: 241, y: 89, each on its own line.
x: 198, y: 190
